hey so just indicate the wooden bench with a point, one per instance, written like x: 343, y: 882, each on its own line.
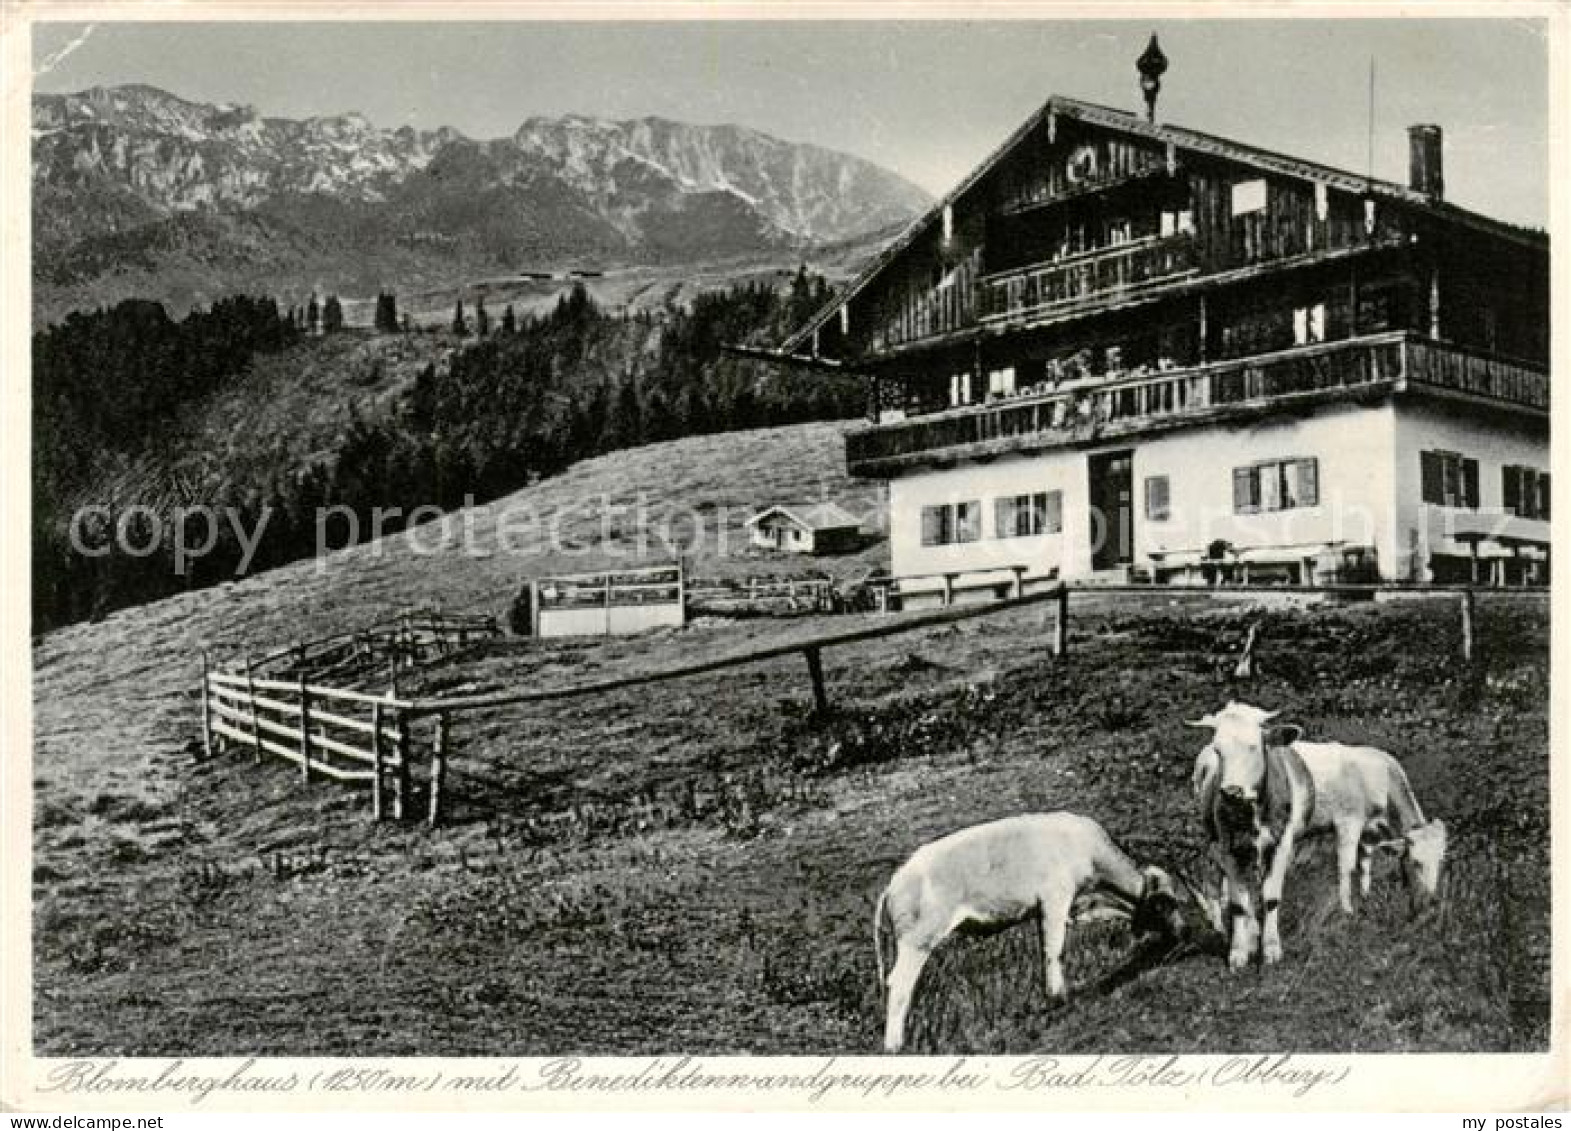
x: 1251, y: 564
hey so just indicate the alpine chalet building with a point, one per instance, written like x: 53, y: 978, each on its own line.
x: 1123, y: 350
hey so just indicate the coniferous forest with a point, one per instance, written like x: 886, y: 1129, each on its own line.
x: 520, y: 398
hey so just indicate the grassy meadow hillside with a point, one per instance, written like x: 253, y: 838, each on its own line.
x: 141, y: 420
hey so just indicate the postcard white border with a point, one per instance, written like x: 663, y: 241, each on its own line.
x: 1389, y: 1082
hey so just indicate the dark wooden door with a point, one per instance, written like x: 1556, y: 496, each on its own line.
x: 1112, y: 515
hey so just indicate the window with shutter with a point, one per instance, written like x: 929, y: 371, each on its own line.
x: 1156, y: 498
x: 1433, y: 485
x: 1025, y: 516
x: 1317, y: 322
x: 1053, y: 512
x: 1004, y: 517
x: 935, y: 524
x: 1308, y: 482
x: 1511, y: 490
x: 1276, y: 485
x: 968, y: 522
x: 1286, y: 474
x: 1450, y: 479
x: 1245, y: 495
x: 1269, y: 485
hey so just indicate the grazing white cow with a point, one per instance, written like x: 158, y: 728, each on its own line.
x: 1260, y: 789
x: 1052, y: 866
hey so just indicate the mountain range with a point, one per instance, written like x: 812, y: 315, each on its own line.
x: 137, y: 192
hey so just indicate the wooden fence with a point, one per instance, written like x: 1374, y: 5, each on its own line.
x: 609, y: 602
x: 302, y: 703
x: 293, y: 721
x: 763, y: 594
x: 346, y: 736
x: 365, y: 655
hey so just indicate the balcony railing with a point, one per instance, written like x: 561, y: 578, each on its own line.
x: 1054, y: 189
x: 1366, y: 366
x: 1043, y: 288
x: 1477, y: 374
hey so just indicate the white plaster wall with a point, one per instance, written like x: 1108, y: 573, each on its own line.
x: 985, y: 482
x: 1429, y: 425
x: 1355, y: 447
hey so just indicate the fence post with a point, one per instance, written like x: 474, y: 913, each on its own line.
x: 305, y: 732
x: 815, y: 669
x: 438, y: 770
x: 1061, y: 622
x: 378, y: 762
x: 207, y: 709
x: 949, y: 589
x: 1018, y: 589
x: 250, y: 689
x: 1468, y: 609
x: 401, y: 776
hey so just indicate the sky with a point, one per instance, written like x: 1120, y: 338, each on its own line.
x: 927, y: 99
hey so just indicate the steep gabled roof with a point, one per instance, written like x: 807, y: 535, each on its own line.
x: 819, y: 516
x: 1181, y: 138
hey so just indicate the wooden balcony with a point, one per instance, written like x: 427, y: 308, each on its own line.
x: 1057, y: 189
x: 1048, y: 288
x: 1358, y: 368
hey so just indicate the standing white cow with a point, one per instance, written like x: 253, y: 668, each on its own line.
x: 1259, y: 789
x: 1051, y: 866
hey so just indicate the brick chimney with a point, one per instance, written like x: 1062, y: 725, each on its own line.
x: 1426, y: 174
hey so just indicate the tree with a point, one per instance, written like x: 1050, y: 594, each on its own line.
x: 505, y: 412
x: 659, y: 421
x: 482, y: 319
x: 313, y: 315
x: 623, y: 423
x: 332, y: 315
x: 460, y: 324
x: 802, y: 304
x: 386, y: 313
x: 107, y: 384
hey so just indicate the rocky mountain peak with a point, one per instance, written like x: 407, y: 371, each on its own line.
x: 114, y: 167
